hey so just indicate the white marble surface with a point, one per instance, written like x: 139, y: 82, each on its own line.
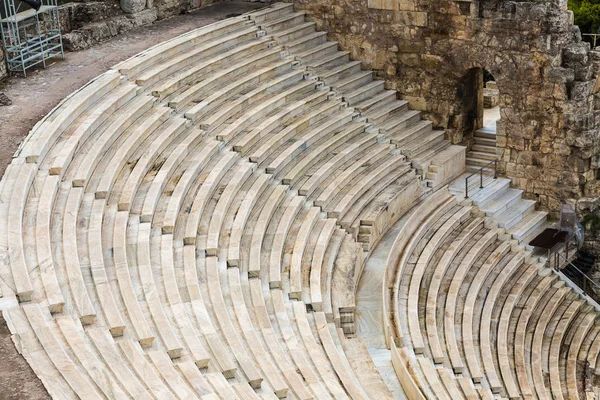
x: 369, y: 319
x: 490, y: 116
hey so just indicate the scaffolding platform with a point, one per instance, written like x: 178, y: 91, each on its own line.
x: 30, y: 37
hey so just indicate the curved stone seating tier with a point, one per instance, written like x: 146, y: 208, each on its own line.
x: 468, y: 310
x: 433, y: 157
x: 194, y: 222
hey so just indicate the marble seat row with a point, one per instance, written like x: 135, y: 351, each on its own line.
x: 137, y: 378
x: 460, y: 296
x: 403, y: 127
x: 290, y: 208
x: 194, y: 222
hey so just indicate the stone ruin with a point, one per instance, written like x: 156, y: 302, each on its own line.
x: 432, y: 53
x: 491, y: 95
x: 222, y: 219
x: 86, y: 23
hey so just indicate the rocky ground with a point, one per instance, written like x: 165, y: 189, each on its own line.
x: 24, y: 101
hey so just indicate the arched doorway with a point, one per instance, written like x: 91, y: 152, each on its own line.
x: 469, y: 92
x: 478, y: 98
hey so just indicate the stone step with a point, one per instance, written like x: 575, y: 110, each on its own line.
x: 498, y: 205
x: 328, y: 61
x: 481, y: 155
x: 384, y: 111
x: 486, y: 171
x: 396, y: 125
x: 485, y: 133
x: 277, y: 10
x: 446, y: 162
x: 527, y: 226
x: 334, y: 74
x: 489, y: 192
x: 353, y: 81
x: 513, y: 215
x: 482, y: 148
x: 306, y: 42
x: 485, y: 141
x: 370, y: 89
x: 285, y: 22
x: 295, y: 32
x: 381, y: 99
x: 315, y: 53
x: 478, y: 162
x: 422, y: 142
x: 422, y: 159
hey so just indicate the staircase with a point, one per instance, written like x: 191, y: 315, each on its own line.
x: 584, y: 261
x: 505, y: 205
x: 578, y: 269
x: 483, y: 151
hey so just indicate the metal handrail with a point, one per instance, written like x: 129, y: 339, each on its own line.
x: 596, y: 285
x: 480, y: 172
x: 594, y: 37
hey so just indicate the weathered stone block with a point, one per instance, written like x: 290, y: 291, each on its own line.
x: 491, y: 98
x: 406, y: 5
x: 580, y: 91
x: 416, y: 103
x: 382, y: 4
x: 592, y: 189
x: 576, y: 53
x: 412, y: 18
x: 561, y: 75
x: 100, y: 31
x: 77, y: 15
x: 3, y: 69
x: 133, y: 6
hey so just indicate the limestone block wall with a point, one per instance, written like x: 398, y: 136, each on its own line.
x: 3, y: 72
x: 548, y: 136
x: 84, y: 24
x: 168, y: 8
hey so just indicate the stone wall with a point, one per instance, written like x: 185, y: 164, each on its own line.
x: 87, y: 23
x: 3, y: 72
x: 548, y: 139
x: 168, y: 8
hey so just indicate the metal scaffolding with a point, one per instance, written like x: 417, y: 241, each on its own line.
x: 30, y: 37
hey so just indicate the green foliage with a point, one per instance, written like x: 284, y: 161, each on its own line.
x: 587, y: 14
x: 591, y: 222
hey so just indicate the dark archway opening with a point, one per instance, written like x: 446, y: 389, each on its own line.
x: 478, y: 100
x: 478, y: 97
x: 470, y: 95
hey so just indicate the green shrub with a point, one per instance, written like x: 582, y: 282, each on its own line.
x: 591, y: 222
x: 587, y: 14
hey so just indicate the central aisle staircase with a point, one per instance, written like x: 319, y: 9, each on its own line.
x: 194, y: 222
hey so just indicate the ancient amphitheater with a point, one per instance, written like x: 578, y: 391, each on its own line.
x: 207, y: 218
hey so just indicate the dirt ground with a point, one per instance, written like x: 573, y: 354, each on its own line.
x: 34, y: 96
